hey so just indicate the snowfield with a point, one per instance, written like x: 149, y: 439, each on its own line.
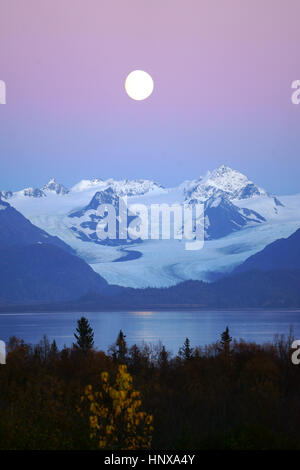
x: 165, y: 262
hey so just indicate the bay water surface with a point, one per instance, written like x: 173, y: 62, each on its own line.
x: 169, y: 327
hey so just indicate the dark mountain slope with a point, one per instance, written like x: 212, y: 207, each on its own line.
x: 247, y: 290
x: 255, y: 289
x: 45, y: 273
x: 281, y: 254
x: 37, y: 267
x: 15, y: 229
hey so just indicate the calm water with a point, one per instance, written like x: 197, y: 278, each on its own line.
x: 202, y: 327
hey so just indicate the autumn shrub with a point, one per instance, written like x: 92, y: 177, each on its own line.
x: 115, y: 418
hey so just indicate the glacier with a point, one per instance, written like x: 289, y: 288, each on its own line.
x: 162, y: 263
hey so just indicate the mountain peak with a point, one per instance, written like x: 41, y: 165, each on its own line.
x: 6, y: 194
x: 226, y: 171
x: 55, y: 187
x: 32, y: 192
x: 224, y: 168
x: 226, y: 182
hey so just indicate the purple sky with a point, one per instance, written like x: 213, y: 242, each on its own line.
x: 222, y: 71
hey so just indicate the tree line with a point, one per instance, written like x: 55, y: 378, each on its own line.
x: 227, y: 395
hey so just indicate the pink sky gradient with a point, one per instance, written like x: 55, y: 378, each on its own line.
x: 222, y: 71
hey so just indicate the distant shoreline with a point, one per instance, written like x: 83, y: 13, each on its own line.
x: 158, y: 308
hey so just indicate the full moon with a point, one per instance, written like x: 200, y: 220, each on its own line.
x: 139, y: 85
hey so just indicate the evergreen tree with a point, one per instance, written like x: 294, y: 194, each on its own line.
x: 225, y: 341
x: 163, y: 358
x: 186, y: 352
x: 85, y: 336
x: 136, y: 357
x: 53, y: 349
x: 121, y: 347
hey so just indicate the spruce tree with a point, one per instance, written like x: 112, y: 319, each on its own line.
x: 163, y: 358
x: 225, y: 341
x: 121, y: 345
x: 53, y: 349
x: 186, y: 352
x: 85, y: 336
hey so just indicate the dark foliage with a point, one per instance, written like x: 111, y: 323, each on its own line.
x: 200, y: 399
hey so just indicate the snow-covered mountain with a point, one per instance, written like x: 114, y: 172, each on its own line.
x: 30, y: 192
x: 240, y: 219
x: 53, y: 187
x: 121, y: 188
x: 227, y: 183
x: 189, y: 186
x: 221, y: 218
x: 108, y: 196
x: 5, y: 194
x: 224, y: 182
x: 217, y: 191
x: 83, y: 185
x: 85, y: 220
x: 224, y: 192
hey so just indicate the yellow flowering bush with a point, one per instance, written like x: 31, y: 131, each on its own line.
x: 115, y: 419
